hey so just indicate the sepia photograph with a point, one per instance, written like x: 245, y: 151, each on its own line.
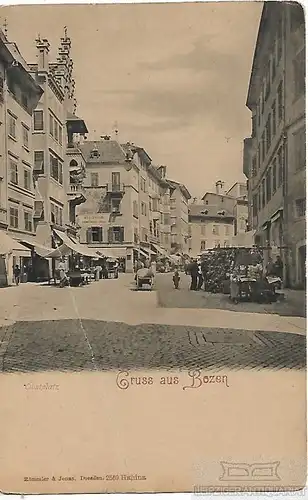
x: 152, y: 242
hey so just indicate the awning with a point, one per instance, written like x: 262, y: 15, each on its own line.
x: 148, y: 250
x: 143, y: 252
x: 9, y: 245
x: 73, y: 245
x: 107, y: 252
x: 39, y: 249
x: 160, y: 250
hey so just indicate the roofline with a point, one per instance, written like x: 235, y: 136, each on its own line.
x: 216, y: 217
x: 218, y: 194
x: 256, y: 52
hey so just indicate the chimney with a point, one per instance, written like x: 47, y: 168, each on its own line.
x: 42, y: 54
x: 220, y: 187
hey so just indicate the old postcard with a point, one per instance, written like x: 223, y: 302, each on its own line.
x: 152, y: 248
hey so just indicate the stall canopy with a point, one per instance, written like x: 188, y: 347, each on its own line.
x: 107, y: 252
x: 147, y: 250
x: 163, y: 252
x: 70, y: 245
x: 39, y: 249
x: 10, y: 246
x: 142, y: 252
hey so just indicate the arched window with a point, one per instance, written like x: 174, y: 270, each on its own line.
x: 73, y: 163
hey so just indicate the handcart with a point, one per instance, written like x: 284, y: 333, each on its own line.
x: 241, y: 289
x: 144, y: 276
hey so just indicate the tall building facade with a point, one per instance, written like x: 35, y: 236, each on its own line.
x: 275, y: 154
x: 179, y: 197
x: 19, y: 95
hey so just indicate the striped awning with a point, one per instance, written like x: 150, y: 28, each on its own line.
x: 9, y: 245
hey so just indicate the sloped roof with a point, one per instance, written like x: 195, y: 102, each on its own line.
x: 209, y: 211
x: 218, y: 195
x: 182, y: 187
x: 108, y: 151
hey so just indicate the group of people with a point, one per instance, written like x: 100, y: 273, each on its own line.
x: 212, y: 272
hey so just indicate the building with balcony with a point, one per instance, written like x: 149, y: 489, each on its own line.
x: 124, y: 210
x: 275, y: 155
x: 19, y: 95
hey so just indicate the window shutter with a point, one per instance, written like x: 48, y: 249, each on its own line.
x: 100, y: 234
x: 89, y: 235
x: 122, y: 234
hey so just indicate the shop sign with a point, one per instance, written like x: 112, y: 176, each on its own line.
x: 93, y: 219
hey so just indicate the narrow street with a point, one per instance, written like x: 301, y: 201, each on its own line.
x: 108, y: 325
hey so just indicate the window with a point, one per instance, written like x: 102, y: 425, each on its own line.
x: 268, y: 133
x: 143, y: 208
x: 216, y: 230
x: 254, y: 166
x: 94, y: 179
x: 135, y: 209
x: 227, y: 230
x: 268, y: 81
x: 155, y: 205
x: 39, y: 161
x: 14, y: 217
x: 56, y: 169
x: 300, y: 149
x: 27, y: 179
x: 13, y: 172
x: 60, y: 135
x: 115, y: 180
x: 116, y: 235
x: 115, y: 204
x: 268, y: 180
x: 280, y: 102
x: 51, y: 129
x: 56, y: 214
x: 38, y: 120
x: 263, y: 146
x: 274, y: 118
x: 299, y: 74
x: 274, y: 63
x: 56, y: 130
x: 166, y: 219
x: 142, y: 184
x: 280, y: 166
x: 279, y: 39
x: 203, y: 245
x: 255, y: 205
x: 25, y: 136
x: 203, y: 230
x: 95, y: 235
x: 300, y: 207
x: 274, y: 170
x: 263, y: 193
x: 254, y: 125
x: 12, y: 126
x: 28, y: 221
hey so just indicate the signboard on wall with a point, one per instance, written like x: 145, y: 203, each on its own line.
x: 98, y: 219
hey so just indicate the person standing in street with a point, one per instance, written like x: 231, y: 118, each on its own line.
x: 194, y: 275
x: 199, y: 277
x: 16, y: 272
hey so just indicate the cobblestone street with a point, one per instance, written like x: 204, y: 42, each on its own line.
x: 108, y: 326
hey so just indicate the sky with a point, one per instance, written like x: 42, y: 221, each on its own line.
x: 172, y: 77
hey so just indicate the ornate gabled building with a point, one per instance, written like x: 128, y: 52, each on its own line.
x: 59, y: 165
